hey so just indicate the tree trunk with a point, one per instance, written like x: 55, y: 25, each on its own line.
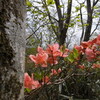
x: 63, y: 33
x: 89, y: 21
x: 12, y: 49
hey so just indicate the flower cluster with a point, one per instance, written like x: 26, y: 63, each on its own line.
x: 29, y: 82
x: 90, y: 50
x: 87, y: 54
x: 48, y: 56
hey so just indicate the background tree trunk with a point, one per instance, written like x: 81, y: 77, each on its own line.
x: 12, y: 49
x: 89, y: 21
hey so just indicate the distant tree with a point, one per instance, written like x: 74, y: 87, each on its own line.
x: 12, y: 49
x: 59, y: 17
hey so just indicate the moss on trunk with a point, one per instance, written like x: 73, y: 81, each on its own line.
x: 12, y: 14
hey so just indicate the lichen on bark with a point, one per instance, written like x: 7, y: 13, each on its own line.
x: 12, y: 49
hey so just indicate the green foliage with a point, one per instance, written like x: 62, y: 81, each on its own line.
x: 75, y: 53
x: 27, y: 90
x: 72, y: 56
x: 71, y: 24
x: 61, y: 6
x: 77, y: 8
x: 49, y: 2
x: 38, y: 75
x: 28, y: 3
x: 31, y: 51
x: 79, y: 76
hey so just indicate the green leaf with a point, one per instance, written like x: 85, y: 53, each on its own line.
x: 73, y: 56
x: 38, y: 75
x: 77, y: 9
x: 82, y: 5
x: 70, y: 58
x: 28, y: 3
x: 78, y: 20
x: 27, y: 90
x: 49, y: 2
x: 96, y: 16
x: 75, y: 53
x: 86, y: 24
x: 63, y: 48
x: 61, y: 6
x: 71, y: 25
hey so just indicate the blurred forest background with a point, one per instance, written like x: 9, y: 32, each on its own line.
x: 59, y: 21
x: 67, y: 22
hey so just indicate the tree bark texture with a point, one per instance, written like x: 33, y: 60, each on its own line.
x: 63, y: 33
x: 89, y: 21
x: 12, y: 49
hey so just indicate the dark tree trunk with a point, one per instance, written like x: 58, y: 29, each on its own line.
x: 12, y: 49
x: 63, y: 32
x: 89, y: 21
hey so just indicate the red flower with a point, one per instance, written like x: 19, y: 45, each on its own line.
x: 81, y: 66
x: 65, y: 53
x: 29, y: 82
x: 46, y: 79
x: 59, y: 70
x: 54, y: 72
x: 87, y: 44
x: 90, y: 54
x: 53, y: 50
x: 52, y: 60
x: 40, y: 50
x: 79, y: 48
x: 40, y: 58
x: 96, y: 66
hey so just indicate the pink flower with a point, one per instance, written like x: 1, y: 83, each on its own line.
x: 98, y: 52
x: 64, y: 53
x: 29, y: 82
x: 53, y: 50
x: 91, y: 42
x: 90, y: 54
x: 96, y: 66
x: 46, y: 79
x: 79, y: 48
x: 81, y: 66
x: 59, y: 70
x: 40, y: 58
x: 40, y: 50
x: 52, y: 60
x: 87, y: 44
x: 96, y: 40
x: 55, y: 72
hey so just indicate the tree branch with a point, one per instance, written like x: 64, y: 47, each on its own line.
x: 45, y: 5
x: 59, y: 14
x: 81, y: 18
x: 35, y: 31
x: 95, y: 27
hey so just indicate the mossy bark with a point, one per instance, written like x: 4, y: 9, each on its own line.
x: 12, y: 49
